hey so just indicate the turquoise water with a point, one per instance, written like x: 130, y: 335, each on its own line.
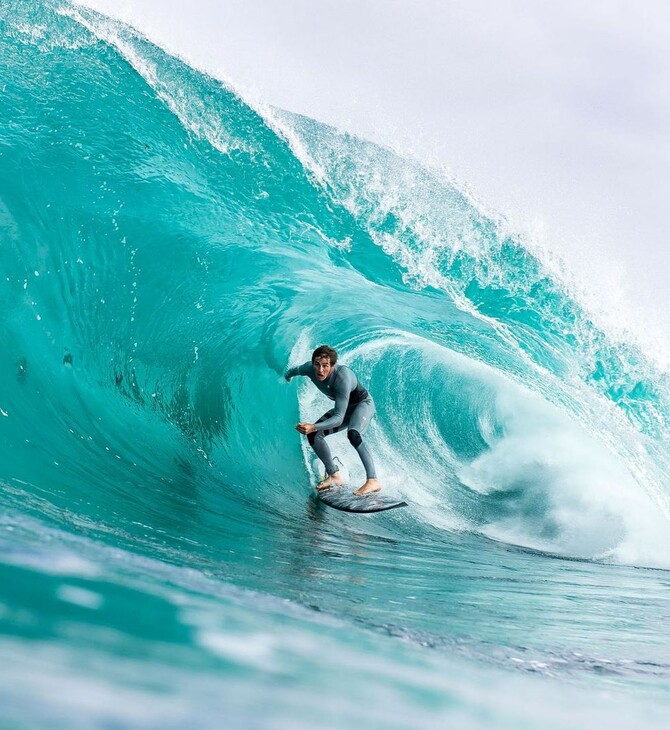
x: 166, y: 251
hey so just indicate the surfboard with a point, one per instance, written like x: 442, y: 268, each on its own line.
x: 342, y: 498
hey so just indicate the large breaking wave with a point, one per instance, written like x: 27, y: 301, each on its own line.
x: 167, y: 249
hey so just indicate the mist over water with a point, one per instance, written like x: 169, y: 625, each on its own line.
x: 166, y: 251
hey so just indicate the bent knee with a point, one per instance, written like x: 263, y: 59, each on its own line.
x: 354, y: 438
x: 312, y: 437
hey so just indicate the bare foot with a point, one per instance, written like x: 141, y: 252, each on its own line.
x: 370, y: 486
x: 334, y: 480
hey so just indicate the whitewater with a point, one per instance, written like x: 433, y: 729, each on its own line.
x: 167, y: 250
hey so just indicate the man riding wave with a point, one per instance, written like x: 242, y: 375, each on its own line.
x: 353, y: 410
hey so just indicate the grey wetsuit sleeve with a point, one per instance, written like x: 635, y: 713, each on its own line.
x: 305, y: 369
x: 346, y: 382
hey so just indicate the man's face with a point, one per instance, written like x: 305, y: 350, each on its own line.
x: 322, y: 368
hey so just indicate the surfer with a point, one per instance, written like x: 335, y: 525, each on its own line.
x: 353, y: 410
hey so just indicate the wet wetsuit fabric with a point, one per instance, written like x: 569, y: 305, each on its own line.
x: 353, y: 410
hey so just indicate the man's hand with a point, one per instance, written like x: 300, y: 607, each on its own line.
x: 287, y: 377
x: 306, y: 428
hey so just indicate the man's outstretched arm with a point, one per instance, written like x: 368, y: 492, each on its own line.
x: 305, y: 369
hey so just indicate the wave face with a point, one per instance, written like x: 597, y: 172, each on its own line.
x: 166, y: 251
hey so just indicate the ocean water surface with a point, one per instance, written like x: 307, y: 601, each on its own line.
x: 167, y: 250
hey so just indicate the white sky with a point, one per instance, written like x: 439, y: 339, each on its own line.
x: 554, y: 112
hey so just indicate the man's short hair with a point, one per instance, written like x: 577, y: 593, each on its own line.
x: 325, y: 351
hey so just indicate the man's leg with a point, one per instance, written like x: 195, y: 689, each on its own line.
x: 317, y: 441
x: 358, y: 423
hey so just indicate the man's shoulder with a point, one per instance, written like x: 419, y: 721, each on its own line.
x: 344, y: 372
